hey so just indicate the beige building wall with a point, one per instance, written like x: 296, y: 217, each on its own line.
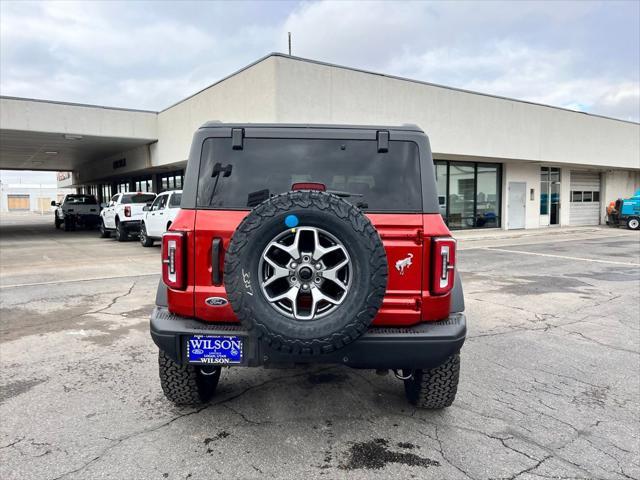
x: 247, y: 96
x: 457, y: 122
x: 137, y: 159
x: 68, y: 118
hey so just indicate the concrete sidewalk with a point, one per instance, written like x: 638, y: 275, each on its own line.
x: 495, y: 236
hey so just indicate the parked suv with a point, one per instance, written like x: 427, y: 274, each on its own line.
x: 123, y: 214
x: 158, y: 216
x: 299, y: 244
x: 76, y: 210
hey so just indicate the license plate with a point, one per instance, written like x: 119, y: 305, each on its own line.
x: 217, y: 350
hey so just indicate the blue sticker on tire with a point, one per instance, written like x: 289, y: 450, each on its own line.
x: 216, y: 350
x: 291, y: 221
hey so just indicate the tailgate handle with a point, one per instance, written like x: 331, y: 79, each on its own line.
x: 216, y: 277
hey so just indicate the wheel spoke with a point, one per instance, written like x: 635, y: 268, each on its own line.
x: 278, y: 271
x: 292, y: 249
x: 317, y: 296
x: 319, y: 251
x: 291, y: 294
x: 332, y: 273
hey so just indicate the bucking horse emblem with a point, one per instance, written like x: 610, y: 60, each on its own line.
x: 404, y: 263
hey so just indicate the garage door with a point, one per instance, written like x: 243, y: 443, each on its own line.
x: 585, y: 198
x: 18, y: 202
x: 44, y: 204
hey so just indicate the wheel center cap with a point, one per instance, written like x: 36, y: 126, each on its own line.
x: 305, y: 274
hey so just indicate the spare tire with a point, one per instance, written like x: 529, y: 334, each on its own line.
x: 306, y: 272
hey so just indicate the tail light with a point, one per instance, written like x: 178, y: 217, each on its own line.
x: 444, y: 263
x: 127, y: 211
x: 174, y: 260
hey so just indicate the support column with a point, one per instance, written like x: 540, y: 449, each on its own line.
x: 155, y: 182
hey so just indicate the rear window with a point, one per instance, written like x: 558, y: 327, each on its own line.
x: 81, y: 199
x: 137, y: 198
x: 175, y: 200
x: 240, y: 179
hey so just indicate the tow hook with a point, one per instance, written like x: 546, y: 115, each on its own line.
x: 401, y: 377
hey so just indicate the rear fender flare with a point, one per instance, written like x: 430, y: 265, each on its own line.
x: 457, y: 295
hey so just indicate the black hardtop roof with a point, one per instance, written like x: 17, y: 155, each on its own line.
x: 320, y: 126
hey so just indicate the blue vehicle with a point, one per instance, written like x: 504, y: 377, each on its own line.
x: 626, y: 212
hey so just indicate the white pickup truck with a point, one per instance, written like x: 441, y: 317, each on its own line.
x: 76, y: 210
x: 123, y: 214
x: 159, y: 216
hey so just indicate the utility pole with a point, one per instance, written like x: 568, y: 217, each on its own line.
x: 289, y: 33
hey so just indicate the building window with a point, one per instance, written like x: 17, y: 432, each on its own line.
x: 549, y: 190
x: 469, y: 194
x: 171, y: 181
x: 105, y: 191
x: 143, y: 185
x: 123, y: 187
x: 588, y: 196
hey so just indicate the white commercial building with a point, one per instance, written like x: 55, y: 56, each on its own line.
x: 500, y: 162
x: 28, y: 197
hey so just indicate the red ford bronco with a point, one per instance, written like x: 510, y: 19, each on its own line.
x: 309, y: 244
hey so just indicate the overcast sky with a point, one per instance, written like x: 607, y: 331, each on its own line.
x: 148, y: 55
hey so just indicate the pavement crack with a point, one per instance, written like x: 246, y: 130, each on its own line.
x: 243, y: 416
x: 606, y: 345
x: 444, y: 456
x: 530, y: 469
x: 119, y: 441
x: 114, y: 300
x: 15, y: 442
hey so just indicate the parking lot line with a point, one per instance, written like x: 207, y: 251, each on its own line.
x: 57, y: 282
x: 594, y: 260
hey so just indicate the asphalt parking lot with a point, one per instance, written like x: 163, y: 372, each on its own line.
x: 549, y: 388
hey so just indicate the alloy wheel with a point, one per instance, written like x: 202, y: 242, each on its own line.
x: 305, y: 273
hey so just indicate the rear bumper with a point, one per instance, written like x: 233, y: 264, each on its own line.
x: 131, y: 225
x: 83, y: 218
x: 422, y: 346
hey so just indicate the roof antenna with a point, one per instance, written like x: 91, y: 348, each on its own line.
x: 289, y: 33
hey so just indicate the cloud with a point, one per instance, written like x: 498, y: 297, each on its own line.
x: 136, y: 55
x: 565, y: 54
x: 581, y: 55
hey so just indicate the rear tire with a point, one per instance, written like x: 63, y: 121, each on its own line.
x: 121, y: 234
x: 145, y: 241
x: 434, y: 388
x: 186, y: 384
x: 633, y: 223
x: 104, y: 233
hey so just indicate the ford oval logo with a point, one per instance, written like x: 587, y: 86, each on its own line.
x: 216, y: 301
x: 197, y: 351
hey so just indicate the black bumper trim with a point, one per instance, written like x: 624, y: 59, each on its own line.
x: 131, y: 225
x: 423, y: 346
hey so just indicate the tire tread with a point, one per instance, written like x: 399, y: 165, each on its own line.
x: 183, y: 384
x: 434, y: 388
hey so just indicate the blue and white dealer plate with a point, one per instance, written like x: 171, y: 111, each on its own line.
x: 217, y: 350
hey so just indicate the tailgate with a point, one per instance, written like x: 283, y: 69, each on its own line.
x: 402, y: 238
x: 400, y: 233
